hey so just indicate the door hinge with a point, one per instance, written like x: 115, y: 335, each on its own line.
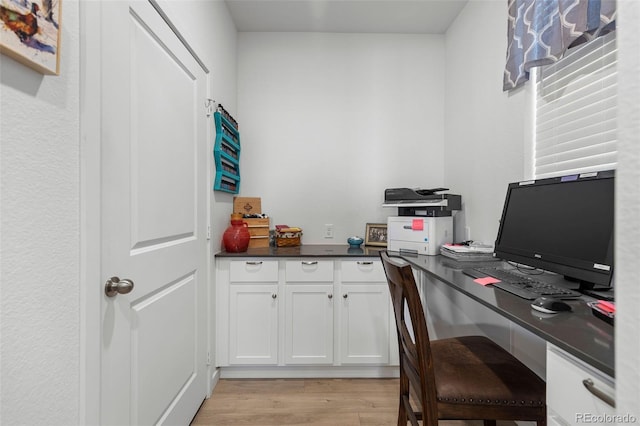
x: 208, y: 232
x: 208, y: 358
x: 208, y: 106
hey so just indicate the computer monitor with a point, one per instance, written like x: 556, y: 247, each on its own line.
x: 563, y: 225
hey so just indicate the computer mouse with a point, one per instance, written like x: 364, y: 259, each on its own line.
x: 550, y: 305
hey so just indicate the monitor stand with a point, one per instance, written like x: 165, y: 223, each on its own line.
x: 602, y: 293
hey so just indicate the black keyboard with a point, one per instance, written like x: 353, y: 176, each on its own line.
x: 520, y: 285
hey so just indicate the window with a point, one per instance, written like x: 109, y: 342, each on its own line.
x: 576, y: 111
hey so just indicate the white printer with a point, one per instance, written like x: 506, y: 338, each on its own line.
x: 420, y: 235
x: 424, y: 221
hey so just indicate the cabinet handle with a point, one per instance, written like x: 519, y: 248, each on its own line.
x: 344, y: 296
x: 330, y: 296
x: 273, y: 296
x: 591, y: 387
x: 362, y: 262
x: 257, y: 262
x: 309, y: 262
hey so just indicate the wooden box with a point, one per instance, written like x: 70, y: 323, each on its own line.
x: 247, y: 205
x: 259, y: 231
x: 257, y: 242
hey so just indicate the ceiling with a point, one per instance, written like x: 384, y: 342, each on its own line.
x: 345, y: 16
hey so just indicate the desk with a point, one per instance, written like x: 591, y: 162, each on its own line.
x: 579, y: 332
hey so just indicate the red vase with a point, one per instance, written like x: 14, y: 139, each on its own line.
x: 236, y: 237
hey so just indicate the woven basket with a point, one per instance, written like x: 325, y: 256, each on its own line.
x: 288, y: 242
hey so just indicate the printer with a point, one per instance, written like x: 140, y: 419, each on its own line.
x: 424, y: 221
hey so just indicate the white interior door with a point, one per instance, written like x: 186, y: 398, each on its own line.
x: 154, y: 185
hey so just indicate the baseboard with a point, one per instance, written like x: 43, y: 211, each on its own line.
x: 306, y: 372
x: 213, y: 381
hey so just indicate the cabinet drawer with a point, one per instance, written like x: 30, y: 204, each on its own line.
x: 309, y: 270
x: 362, y: 271
x: 569, y: 401
x: 255, y: 270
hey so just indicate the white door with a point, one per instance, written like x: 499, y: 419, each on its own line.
x: 308, y: 328
x: 364, y: 324
x: 253, y: 324
x: 154, y: 184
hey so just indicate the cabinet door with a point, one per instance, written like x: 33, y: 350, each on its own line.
x: 569, y: 401
x: 364, y: 324
x: 308, y: 324
x: 253, y: 324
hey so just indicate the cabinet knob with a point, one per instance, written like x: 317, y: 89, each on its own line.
x: 344, y: 296
x: 254, y: 262
x: 310, y: 262
x: 273, y: 296
x: 362, y: 262
x: 330, y: 296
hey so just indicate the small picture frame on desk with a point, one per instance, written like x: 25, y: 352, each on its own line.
x: 376, y: 235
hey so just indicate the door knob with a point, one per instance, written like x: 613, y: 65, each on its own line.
x: 115, y: 285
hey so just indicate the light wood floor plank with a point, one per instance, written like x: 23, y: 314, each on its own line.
x: 309, y: 402
x: 315, y: 402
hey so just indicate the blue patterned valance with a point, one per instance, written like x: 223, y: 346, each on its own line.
x: 540, y: 31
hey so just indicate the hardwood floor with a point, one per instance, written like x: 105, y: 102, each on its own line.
x: 315, y: 402
x: 301, y: 402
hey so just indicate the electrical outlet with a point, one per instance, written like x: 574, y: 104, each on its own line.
x: 328, y: 230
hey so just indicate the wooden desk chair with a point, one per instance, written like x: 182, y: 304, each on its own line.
x: 462, y: 378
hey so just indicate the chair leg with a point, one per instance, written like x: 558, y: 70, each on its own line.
x: 404, y: 391
x: 402, y: 414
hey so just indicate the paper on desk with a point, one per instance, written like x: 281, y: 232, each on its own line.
x: 459, y: 248
x: 486, y: 280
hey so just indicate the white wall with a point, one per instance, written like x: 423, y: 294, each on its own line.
x: 328, y: 121
x: 628, y: 211
x: 39, y: 304
x: 485, y: 128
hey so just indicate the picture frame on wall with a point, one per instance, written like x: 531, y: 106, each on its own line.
x: 30, y: 33
x: 376, y: 235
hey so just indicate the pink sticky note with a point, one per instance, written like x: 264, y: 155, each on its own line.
x: 606, y: 306
x: 486, y: 280
x: 417, y: 224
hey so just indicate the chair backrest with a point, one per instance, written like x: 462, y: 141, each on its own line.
x: 416, y: 362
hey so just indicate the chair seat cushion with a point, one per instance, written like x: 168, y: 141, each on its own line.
x: 475, y: 370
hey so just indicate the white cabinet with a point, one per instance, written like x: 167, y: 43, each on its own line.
x: 364, y: 313
x: 364, y: 324
x: 308, y: 328
x: 251, y: 307
x: 301, y: 317
x: 253, y: 324
x: 309, y: 270
x: 576, y: 392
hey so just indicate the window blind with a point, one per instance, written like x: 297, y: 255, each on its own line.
x: 576, y: 111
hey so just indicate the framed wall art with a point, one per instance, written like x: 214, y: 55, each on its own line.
x: 30, y: 33
x: 376, y: 234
